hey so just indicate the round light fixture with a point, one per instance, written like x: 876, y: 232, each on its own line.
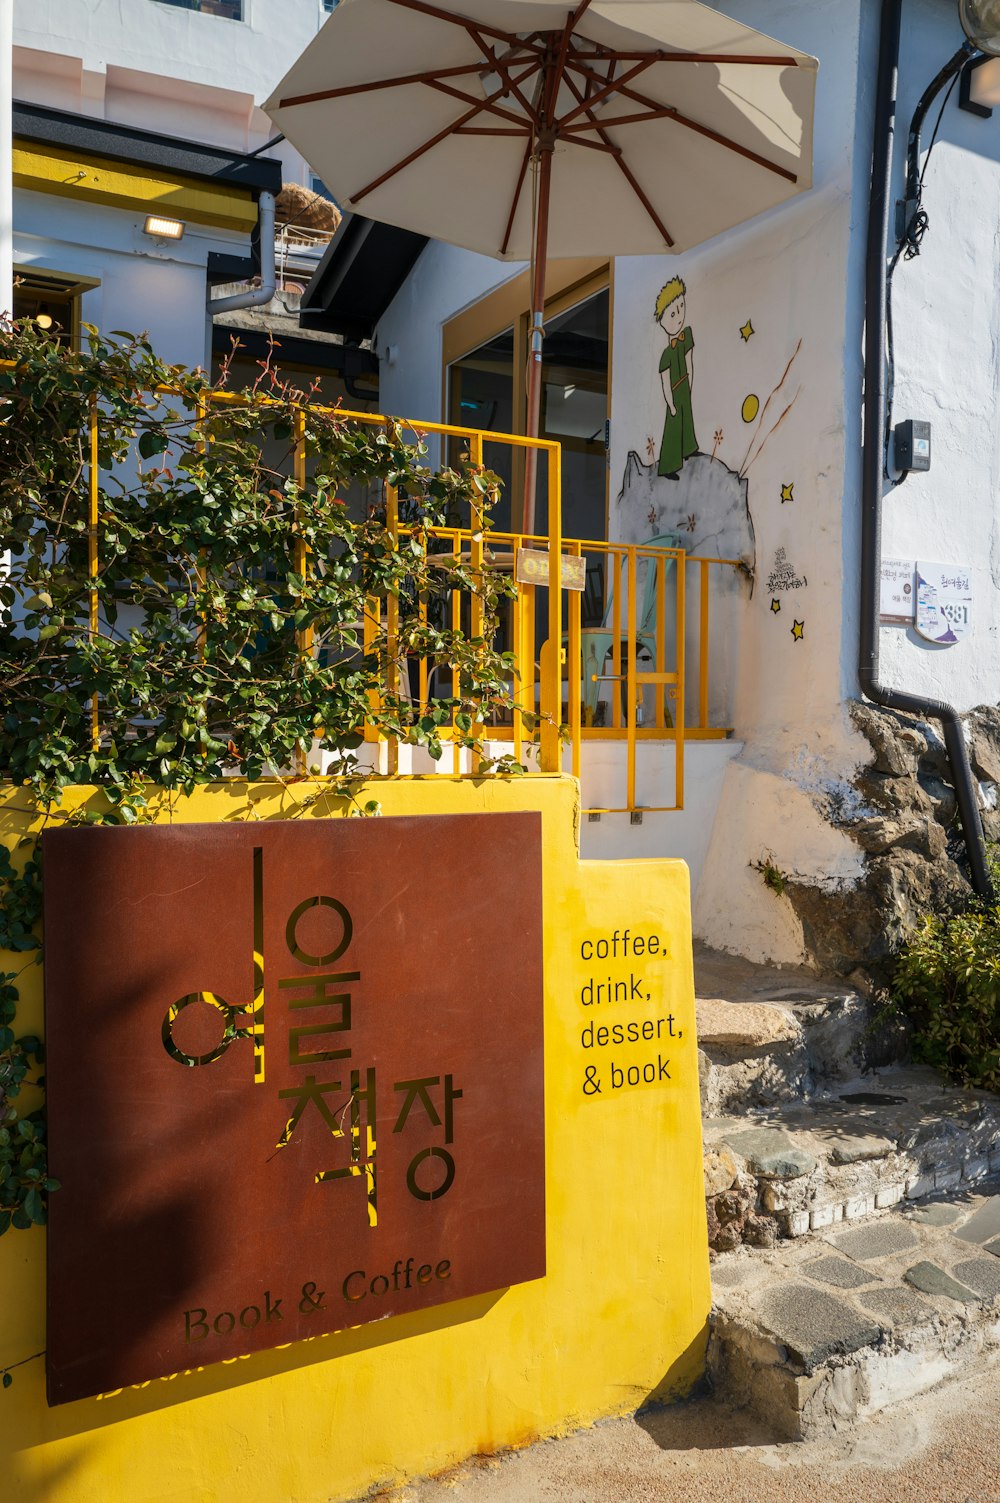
x: 43, y: 318
x: 981, y: 23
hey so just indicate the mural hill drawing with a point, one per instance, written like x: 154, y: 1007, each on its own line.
x: 707, y: 504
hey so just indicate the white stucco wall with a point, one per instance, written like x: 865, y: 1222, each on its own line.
x: 443, y: 282
x: 146, y: 64
x: 145, y: 285
x: 947, y: 328
x: 787, y: 273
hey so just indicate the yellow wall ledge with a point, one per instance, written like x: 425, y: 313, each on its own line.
x: 619, y: 1320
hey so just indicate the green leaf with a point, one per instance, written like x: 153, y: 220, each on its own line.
x: 34, y: 1206
x: 151, y: 442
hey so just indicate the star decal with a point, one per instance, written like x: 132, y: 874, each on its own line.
x: 775, y: 605
x: 746, y: 331
x: 799, y: 630
x: 786, y: 491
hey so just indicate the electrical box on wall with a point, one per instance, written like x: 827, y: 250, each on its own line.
x: 912, y: 448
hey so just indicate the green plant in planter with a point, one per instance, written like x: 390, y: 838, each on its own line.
x: 231, y: 569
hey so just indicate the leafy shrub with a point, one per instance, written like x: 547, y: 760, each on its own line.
x: 947, y: 980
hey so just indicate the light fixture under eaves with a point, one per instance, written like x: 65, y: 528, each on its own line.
x: 981, y: 23
x: 163, y: 229
x: 979, y: 86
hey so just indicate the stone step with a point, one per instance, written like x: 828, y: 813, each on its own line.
x: 894, y: 1136
x: 768, y: 1035
x: 839, y: 1324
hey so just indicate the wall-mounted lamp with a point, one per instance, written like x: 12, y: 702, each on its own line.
x: 979, y: 86
x: 163, y: 229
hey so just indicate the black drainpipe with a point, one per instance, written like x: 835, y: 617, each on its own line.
x: 879, y: 208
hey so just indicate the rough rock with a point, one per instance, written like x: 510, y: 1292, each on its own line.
x: 771, y: 1153
x: 903, y: 817
x: 720, y: 1171
x: 897, y: 749
x: 752, y: 1025
x: 984, y: 727
x: 814, y: 1326
x: 856, y: 1148
x: 930, y: 1279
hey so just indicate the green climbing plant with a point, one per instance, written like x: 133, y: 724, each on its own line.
x: 214, y: 615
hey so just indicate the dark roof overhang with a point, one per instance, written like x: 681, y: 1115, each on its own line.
x: 124, y: 143
x: 363, y: 269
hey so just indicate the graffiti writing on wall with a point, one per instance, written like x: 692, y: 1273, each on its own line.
x: 783, y: 575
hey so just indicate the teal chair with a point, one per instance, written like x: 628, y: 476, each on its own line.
x: 597, y: 642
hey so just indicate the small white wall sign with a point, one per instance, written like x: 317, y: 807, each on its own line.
x: 898, y: 596
x: 944, y: 602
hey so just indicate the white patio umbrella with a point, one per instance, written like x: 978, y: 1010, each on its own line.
x: 527, y: 130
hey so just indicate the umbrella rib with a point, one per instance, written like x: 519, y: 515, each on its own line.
x: 448, y: 130
x: 761, y: 60
x: 655, y: 105
x: 611, y: 87
x: 623, y: 168
x: 555, y: 83
x: 607, y: 146
x: 381, y: 83
x: 464, y: 21
x: 517, y: 197
x: 494, y: 109
x: 501, y: 66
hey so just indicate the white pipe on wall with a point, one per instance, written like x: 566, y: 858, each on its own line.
x: 6, y: 154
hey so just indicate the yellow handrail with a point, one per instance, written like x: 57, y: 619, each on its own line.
x: 539, y: 669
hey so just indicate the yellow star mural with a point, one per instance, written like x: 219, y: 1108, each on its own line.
x: 786, y: 491
x: 746, y: 331
x: 798, y: 630
x: 775, y: 605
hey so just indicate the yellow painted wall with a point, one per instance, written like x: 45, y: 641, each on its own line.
x: 620, y: 1317
x: 120, y: 185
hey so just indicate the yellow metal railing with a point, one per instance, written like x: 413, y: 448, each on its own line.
x: 638, y: 649
x: 467, y: 543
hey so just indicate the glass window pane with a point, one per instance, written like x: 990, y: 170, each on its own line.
x: 232, y: 10
x: 481, y: 395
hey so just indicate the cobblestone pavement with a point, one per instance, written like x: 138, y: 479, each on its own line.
x: 941, y: 1448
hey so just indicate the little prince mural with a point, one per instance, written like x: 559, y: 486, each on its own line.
x: 676, y: 373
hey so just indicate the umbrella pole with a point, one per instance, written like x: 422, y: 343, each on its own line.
x: 536, y: 331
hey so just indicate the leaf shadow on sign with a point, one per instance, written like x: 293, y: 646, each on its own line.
x: 220, y: 1377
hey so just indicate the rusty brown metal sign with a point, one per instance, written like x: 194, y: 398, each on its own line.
x: 294, y: 1080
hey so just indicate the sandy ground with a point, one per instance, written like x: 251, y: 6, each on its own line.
x: 941, y: 1448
